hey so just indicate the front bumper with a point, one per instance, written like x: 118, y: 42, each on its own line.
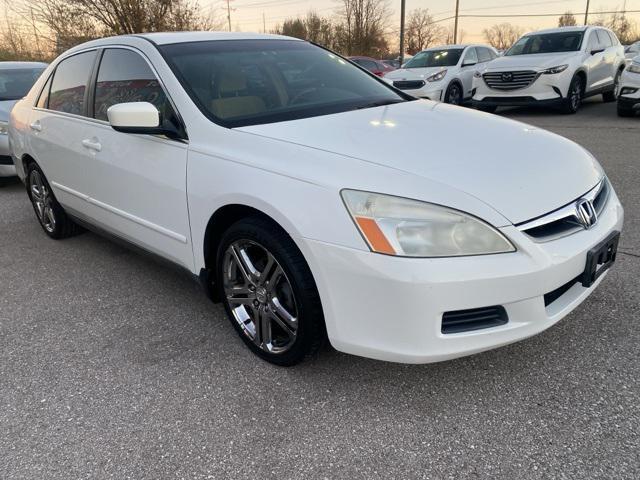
x: 545, y: 90
x: 391, y: 308
x: 430, y: 91
x: 628, y: 81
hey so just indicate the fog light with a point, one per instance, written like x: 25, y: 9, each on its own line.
x: 628, y: 90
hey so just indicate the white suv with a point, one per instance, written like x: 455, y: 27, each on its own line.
x: 557, y: 67
x: 443, y: 73
x: 629, y: 98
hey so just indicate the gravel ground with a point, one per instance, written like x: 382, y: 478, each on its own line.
x: 115, y: 366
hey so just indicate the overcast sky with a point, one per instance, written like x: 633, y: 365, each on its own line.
x: 248, y: 14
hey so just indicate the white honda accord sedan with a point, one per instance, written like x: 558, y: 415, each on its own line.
x: 314, y: 200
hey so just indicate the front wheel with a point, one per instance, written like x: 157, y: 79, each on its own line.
x: 453, y: 95
x: 612, y: 96
x: 574, y: 96
x: 268, y: 292
x: 625, y: 111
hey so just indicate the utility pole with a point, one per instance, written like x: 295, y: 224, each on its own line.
x: 586, y: 14
x: 229, y: 13
x: 264, y: 24
x: 402, y: 8
x: 455, y: 24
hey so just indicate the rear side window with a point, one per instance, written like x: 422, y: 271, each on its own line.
x: 614, y: 39
x: 69, y: 83
x: 124, y: 76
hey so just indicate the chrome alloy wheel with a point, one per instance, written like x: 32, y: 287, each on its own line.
x: 575, y: 95
x: 260, y: 296
x: 42, y: 201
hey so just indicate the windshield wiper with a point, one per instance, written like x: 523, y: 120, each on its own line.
x: 379, y: 103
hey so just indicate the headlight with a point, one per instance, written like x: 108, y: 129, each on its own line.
x: 410, y: 228
x: 634, y: 68
x: 554, y: 70
x: 4, y: 127
x: 436, y: 77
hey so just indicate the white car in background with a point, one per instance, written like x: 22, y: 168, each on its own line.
x: 16, y: 79
x: 632, y: 51
x: 556, y: 67
x: 629, y: 90
x: 312, y: 199
x: 443, y: 74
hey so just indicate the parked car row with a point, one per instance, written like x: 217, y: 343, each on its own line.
x: 556, y: 67
x: 16, y: 79
x: 270, y: 169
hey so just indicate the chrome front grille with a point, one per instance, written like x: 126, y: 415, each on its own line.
x: 565, y: 220
x: 506, y: 81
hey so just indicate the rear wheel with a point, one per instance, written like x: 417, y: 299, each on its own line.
x: 453, y: 94
x: 612, y: 96
x: 268, y: 292
x: 625, y: 111
x: 52, y: 217
x: 574, y: 96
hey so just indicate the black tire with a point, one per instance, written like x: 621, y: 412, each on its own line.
x: 62, y: 226
x: 625, y: 111
x: 453, y: 94
x: 612, y: 96
x: 574, y: 96
x: 488, y: 108
x: 310, y: 332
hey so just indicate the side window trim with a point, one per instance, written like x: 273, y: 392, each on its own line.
x: 46, y: 88
x: 94, y: 80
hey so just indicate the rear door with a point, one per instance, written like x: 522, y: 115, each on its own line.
x: 58, y: 125
x: 138, y: 182
x: 596, y: 62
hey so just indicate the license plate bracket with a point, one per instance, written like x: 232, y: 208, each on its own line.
x: 600, y: 258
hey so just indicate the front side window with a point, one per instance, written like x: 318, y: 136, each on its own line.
x: 124, y: 76
x: 15, y: 83
x: 471, y: 57
x: 70, y: 82
x: 435, y: 58
x: 547, y: 43
x: 249, y: 82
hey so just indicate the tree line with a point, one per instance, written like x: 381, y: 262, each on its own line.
x: 41, y: 29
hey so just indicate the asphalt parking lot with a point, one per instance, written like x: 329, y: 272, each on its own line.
x: 115, y: 366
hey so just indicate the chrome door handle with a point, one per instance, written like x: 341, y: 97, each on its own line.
x: 36, y: 126
x: 92, y: 144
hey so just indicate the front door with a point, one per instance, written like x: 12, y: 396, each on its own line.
x: 138, y: 184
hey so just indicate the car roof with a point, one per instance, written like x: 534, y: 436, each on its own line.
x: 581, y: 28
x: 14, y: 65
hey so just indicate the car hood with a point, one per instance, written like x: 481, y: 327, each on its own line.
x: 413, y: 73
x: 521, y: 171
x: 538, y: 61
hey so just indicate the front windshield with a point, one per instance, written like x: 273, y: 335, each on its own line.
x: 249, y: 82
x: 16, y: 83
x: 547, y: 43
x: 435, y: 58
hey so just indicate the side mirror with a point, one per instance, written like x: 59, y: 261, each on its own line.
x: 469, y: 64
x: 138, y: 117
x: 599, y: 50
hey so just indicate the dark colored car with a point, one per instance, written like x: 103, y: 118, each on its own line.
x: 374, y: 66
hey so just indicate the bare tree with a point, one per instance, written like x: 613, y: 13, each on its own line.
x: 421, y: 31
x: 449, y: 36
x: 568, y: 19
x: 363, y: 24
x: 625, y: 29
x: 502, y: 36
